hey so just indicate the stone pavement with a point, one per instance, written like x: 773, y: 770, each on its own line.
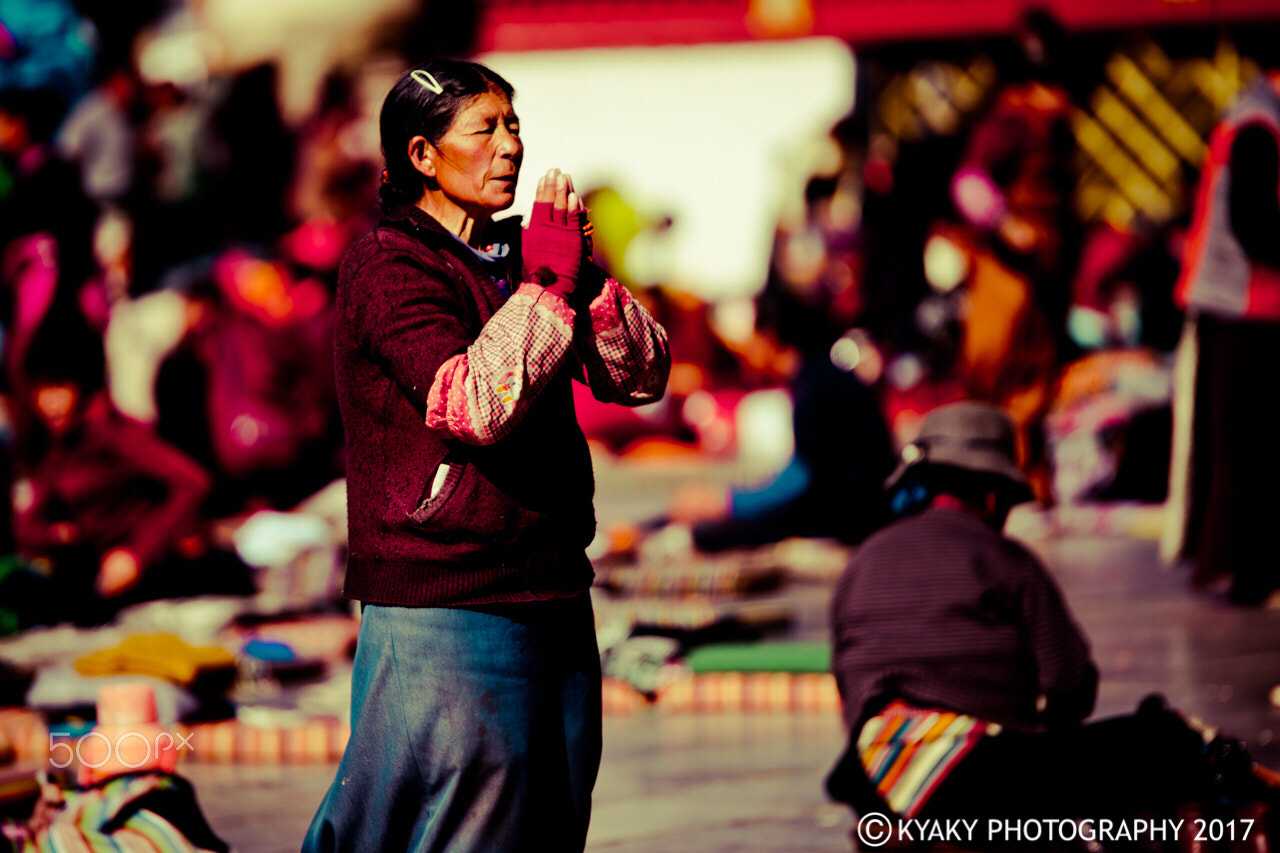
x: 750, y: 783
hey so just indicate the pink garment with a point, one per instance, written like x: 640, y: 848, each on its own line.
x: 30, y: 267
x: 270, y: 389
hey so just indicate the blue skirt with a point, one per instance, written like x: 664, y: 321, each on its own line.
x: 471, y: 730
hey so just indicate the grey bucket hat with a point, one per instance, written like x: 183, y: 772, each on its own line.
x: 969, y: 434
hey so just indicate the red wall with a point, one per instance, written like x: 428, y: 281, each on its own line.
x: 531, y: 25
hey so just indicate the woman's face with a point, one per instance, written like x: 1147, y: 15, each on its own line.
x: 477, y: 161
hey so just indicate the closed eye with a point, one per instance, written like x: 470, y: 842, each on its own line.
x: 488, y: 130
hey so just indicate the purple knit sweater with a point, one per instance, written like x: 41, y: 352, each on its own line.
x: 468, y: 478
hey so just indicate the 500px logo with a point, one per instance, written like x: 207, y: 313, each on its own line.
x: 130, y: 749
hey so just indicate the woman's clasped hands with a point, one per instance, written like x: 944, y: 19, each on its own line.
x: 554, y: 242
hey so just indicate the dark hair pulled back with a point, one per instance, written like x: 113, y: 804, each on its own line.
x: 414, y: 108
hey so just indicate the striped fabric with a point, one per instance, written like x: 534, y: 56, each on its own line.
x: 108, y: 818
x: 907, y: 752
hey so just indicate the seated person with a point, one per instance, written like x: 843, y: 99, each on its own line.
x: 107, y: 512
x: 964, y: 677
x: 241, y: 382
x: 830, y: 488
x: 832, y: 485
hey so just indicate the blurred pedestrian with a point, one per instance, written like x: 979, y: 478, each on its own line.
x: 1230, y: 288
x: 476, y: 690
x: 46, y: 220
x: 1012, y: 187
x: 99, y: 136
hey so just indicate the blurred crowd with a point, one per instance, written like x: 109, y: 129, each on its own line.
x: 168, y: 255
x: 1037, y: 235
x: 170, y: 250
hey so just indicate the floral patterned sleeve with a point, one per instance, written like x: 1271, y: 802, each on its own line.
x: 480, y: 395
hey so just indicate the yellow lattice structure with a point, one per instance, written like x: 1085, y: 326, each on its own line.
x: 1145, y: 126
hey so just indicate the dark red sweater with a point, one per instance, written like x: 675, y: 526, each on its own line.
x: 509, y: 518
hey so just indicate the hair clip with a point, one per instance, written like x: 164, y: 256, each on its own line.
x: 427, y: 80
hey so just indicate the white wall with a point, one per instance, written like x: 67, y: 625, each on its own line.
x: 719, y: 137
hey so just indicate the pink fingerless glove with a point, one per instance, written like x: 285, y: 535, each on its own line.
x: 553, y: 248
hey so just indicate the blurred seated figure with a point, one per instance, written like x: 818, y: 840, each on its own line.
x: 831, y: 487
x: 46, y: 226
x: 965, y: 679
x: 105, y: 512
x: 233, y: 366
x: 264, y: 344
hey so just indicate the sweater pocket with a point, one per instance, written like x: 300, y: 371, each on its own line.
x: 438, y: 492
